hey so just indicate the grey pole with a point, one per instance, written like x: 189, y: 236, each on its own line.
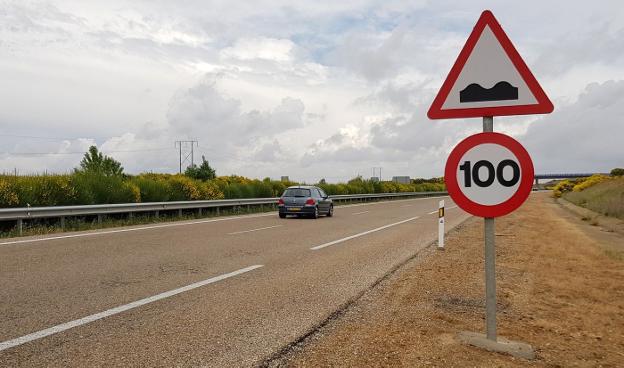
x: 490, y: 280
x: 488, y: 124
x: 180, y: 157
x: 490, y: 261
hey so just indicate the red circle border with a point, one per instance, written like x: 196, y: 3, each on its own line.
x: 501, y: 209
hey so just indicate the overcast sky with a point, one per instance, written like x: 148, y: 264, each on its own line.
x: 310, y: 89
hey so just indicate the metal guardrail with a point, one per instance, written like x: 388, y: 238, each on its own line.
x: 99, y: 210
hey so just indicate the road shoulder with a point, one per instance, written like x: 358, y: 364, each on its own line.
x: 559, y: 289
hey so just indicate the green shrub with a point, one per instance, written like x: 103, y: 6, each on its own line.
x: 277, y: 188
x: 182, y: 188
x: 8, y: 193
x: 96, y: 188
x: 37, y: 190
x: 209, y: 190
x: 562, y: 187
x: 430, y: 187
x: 232, y: 191
x: 261, y: 189
x: 618, y: 171
x: 152, y: 189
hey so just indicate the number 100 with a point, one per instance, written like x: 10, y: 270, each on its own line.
x: 472, y: 174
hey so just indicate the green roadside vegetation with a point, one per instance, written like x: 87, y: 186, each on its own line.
x: 599, y: 193
x: 100, y: 180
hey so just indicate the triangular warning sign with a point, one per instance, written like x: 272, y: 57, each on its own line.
x: 489, y: 78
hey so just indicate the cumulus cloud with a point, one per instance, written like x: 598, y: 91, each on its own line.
x: 203, y: 111
x: 584, y: 136
x: 308, y: 89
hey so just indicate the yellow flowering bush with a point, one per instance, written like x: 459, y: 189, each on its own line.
x: 592, y: 180
x: 8, y: 195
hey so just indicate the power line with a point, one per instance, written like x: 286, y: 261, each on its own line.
x: 219, y: 154
x: 81, y: 152
x: 49, y: 138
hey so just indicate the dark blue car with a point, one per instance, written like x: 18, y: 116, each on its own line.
x: 306, y: 200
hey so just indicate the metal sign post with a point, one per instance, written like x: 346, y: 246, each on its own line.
x: 489, y: 174
x: 490, y: 260
x: 490, y: 279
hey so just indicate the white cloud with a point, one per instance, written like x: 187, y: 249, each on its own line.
x: 260, y: 48
x: 585, y: 136
x: 307, y: 89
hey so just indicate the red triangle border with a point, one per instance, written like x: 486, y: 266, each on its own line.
x: 543, y: 106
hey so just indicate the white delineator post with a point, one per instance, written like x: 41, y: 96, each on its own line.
x: 441, y: 225
x: 490, y: 261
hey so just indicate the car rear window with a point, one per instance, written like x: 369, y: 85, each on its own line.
x: 297, y: 192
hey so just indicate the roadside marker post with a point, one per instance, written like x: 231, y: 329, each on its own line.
x: 489, y: 174
x: 441, y: 225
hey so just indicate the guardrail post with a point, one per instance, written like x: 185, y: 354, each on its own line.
x: 180, y: 212
x: 20, y: 226
x: 99, y: 219
x: 62, y: 222
x: 130, y: 215
x: 218, y: 211
x: 199, y: 212
x: 248, y: 208
x: 156, y: 213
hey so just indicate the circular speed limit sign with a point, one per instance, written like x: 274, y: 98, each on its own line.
x: 489, y: 174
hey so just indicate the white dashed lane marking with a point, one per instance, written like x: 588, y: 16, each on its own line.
x: 252, y: 230
x: 107, y: 313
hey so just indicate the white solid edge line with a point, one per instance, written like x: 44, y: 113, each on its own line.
x: 131, y: 229
x: 252, y: 230
x: 362, y: 234
x: 94, y: 317
x: 360, y: 213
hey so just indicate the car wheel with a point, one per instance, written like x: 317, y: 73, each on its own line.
x: 330, y: 213
x: 282, y: 215
x: 315, y: 215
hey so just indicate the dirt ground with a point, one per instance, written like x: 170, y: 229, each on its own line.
x: 560, y: 286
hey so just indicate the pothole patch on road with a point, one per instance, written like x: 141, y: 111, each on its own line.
x: 459, y: 303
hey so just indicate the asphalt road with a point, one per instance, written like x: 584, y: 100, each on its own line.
x: 215, y: 292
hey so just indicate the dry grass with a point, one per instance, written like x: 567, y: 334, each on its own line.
x: 606, y: 198
x: 559, y: 289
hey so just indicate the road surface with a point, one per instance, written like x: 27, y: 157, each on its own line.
x: 214, y: 292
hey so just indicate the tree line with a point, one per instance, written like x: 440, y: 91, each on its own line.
x: 100, y: 179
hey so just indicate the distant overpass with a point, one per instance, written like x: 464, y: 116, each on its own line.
x: 564, y: 176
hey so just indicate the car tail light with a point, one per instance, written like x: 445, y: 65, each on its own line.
x: 280, y: 201
x: 311, y: 201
